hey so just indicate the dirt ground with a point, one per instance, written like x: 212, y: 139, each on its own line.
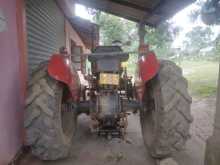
x: 203, y: 111
x: 92, y: 150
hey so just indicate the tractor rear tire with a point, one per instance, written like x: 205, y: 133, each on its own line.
x: 166, y: 117
x: 49, y: 131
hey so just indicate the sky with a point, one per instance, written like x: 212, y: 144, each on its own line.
x: 81, y: 11
x: 181, y: 19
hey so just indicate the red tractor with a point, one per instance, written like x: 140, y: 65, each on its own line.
x: 56, y: 98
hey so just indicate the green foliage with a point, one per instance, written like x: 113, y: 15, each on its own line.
x: 114, y: 28
x: 202, y: 77
x: 160, y: 39
x: 197, y: 39
x: 217, y: 49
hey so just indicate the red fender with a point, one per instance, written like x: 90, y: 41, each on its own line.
x: 59, y: 68
x: 148, y: 66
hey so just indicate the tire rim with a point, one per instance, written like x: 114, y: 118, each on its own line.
x: 149, y: 117
x: 67, y: 117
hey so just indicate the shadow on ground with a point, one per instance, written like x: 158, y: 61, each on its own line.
x: 88, y: 149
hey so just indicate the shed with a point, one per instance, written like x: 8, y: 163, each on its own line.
x: 150, y: 12
x: 13, y: 45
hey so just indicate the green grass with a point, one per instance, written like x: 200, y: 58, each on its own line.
x: 202, y: 77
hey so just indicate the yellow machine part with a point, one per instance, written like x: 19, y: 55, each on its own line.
x: 109, y: 79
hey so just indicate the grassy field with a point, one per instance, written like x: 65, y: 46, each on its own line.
x: 202, y: 77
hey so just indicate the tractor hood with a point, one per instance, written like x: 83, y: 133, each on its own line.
x: 108, y: 52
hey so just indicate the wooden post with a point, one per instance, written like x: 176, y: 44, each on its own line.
x: 141, y: 33
x: 212, y: 156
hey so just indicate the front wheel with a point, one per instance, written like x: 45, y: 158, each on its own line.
x: 166, y: 117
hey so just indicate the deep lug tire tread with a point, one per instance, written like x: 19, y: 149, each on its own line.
x: 170, y: 114
x: 42, y: 117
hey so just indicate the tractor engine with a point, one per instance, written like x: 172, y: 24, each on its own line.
x: 108, y: 85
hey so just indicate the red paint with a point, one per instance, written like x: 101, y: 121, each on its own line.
x: 11, y: 104
x: 59, y: 68
x: 22, y: 43
x: 148, y: 66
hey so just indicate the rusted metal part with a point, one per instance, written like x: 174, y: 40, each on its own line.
x: 139, y: 89
x: 119, y: 131
x: 123, y: 123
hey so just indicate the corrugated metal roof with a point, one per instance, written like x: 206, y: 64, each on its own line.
x: 151, y: 12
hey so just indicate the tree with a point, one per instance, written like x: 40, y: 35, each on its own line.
x: 114, y: 28
x: 160, y: 39
x: 217, y: 48
x: 197, y: 39
x: 196, y: 12
x: 211, y: 12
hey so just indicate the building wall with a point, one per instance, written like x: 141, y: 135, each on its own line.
x: 11, y: 112
x: 13, y: 75
x: 71, y: 34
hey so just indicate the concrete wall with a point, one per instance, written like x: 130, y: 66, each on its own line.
x: 71, y: 34
x: 13, y: 75
x: 11, y: 112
